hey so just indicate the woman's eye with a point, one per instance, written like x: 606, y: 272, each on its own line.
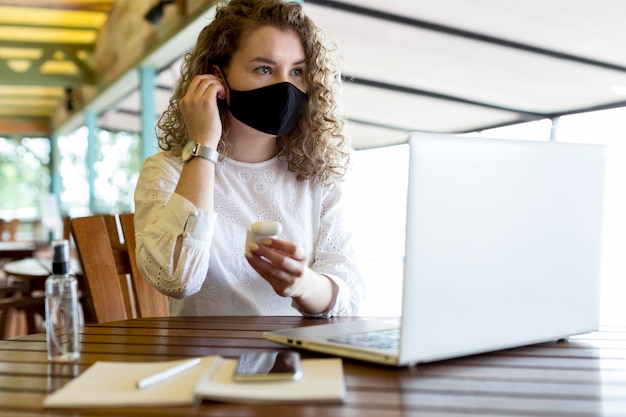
x: 297, y: 72
x: 263, y: 70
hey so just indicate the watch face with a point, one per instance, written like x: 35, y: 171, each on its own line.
x: 188, y: 150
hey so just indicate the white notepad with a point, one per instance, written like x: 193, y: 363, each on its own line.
x: 114, y: 384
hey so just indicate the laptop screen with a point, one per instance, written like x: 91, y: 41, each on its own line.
x: 503, y: 243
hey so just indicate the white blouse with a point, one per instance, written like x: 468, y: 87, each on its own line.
x: 212, y: 276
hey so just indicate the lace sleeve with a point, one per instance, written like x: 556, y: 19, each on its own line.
x: 161, y: 218
x: 336, y: 257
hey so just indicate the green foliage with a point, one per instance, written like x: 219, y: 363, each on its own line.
x: 24, y: 174
x: 117, y: 168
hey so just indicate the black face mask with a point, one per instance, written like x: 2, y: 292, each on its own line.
x: 273, y: 109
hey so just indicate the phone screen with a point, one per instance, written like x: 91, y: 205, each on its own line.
x: 264, y: 366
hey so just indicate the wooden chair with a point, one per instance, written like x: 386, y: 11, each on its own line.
x: 13, y: 226
x: 12, y: 305
x: 117, y: 291
x: 149, y: 302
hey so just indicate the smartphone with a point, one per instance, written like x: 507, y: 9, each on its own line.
x: 280, y: 365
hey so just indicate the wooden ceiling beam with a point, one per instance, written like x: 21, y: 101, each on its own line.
x: 66, y: 46
x: 85, y: 5
x: 35, y: 78
x: 47, y: 26
x: 35, y: 126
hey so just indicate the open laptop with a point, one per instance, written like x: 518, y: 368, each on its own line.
x: 503, y: 249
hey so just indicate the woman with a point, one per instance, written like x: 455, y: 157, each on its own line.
x: 251, y: 134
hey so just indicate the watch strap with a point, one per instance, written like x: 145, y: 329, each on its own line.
x: 206, y: 152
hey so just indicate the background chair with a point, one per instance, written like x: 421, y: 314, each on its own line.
x: 117, y: 291
x: 17, y: 308
x: 12, y: 303
x: 8, y: 229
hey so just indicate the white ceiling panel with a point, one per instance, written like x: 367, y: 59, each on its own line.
x: 408, y: 112
x: 120, y: 121
x: 377, y: 49
x: 365, y: 136
x: 593, y: 29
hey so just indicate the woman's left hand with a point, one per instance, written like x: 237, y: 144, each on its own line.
x: 284, y: 266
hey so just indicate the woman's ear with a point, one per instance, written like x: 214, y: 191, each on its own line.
x: 217, y: 71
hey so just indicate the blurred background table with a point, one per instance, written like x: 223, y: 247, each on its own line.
x: 17, y: 250
x: 35, y: 270
x: 24, y: 281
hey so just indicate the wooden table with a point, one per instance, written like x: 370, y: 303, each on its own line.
x: 35, y: 270
x: 32, y: 273
x: 583, y: 377
x: 17, y: 250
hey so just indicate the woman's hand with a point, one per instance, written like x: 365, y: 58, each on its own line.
x: 201, y: 116
x: 200, y: 111
x: 284, y: 266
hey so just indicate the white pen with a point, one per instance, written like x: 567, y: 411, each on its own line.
x: 163, y: 376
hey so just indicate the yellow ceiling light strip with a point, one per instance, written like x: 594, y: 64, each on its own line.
x: 19, y: 65
x: 50, y: 17
x: 70, y: 36
x: 58, y: 67
x: 20, y: 53
x: 28, y: 102
x: 95, y: 5
x: 18, y: 91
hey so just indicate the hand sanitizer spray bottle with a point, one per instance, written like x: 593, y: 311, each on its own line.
x: 61, y: 307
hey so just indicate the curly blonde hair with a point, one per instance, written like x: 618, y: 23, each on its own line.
x: 317, y: 147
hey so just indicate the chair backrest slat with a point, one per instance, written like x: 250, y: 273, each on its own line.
x: 99, y: 268
x: 107, y: 251
x: 149, y: 302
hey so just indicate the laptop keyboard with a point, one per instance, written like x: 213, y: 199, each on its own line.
x: 378, y: 339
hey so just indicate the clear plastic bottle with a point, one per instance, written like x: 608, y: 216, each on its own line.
x: 62, y: 316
